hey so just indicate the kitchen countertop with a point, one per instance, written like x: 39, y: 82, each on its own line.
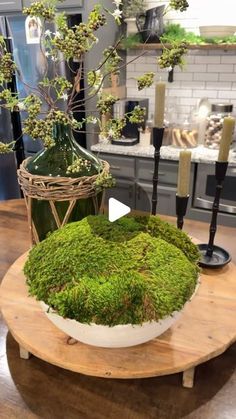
x: 200, y: 154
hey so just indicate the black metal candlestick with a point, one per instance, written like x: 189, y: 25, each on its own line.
x: 214, y: 256
x: 181, y: 208
x: 157, y: 138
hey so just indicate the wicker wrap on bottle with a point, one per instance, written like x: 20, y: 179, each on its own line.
x: 54, y: 189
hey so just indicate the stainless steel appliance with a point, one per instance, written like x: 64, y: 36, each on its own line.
x: 205, y: 189
x: 31, y: 65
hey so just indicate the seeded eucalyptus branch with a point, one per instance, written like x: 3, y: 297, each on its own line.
x: 172, y: 55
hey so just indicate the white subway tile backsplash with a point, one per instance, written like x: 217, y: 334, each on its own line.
x: 180, y: 92
x: 228, y: 59
x: 221, y: 85
x: 205, y: 76
x: 175, y: 85
x: 202, y: 59
x: 227, y: 77
x: 220, y: 68
x: 193, y: 85
x: 146, y: 67
x: 198, y: 68
x: 188, y: 101
x: 203, y: 93
x: 207, y: 73
x: 183, y: 76
x: 226, y: 94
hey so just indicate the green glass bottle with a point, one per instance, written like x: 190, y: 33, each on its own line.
x: 54, y: 161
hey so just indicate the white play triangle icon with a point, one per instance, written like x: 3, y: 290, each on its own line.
x: 116, y: 209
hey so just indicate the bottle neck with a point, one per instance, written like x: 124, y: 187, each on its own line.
x: 62, y: 134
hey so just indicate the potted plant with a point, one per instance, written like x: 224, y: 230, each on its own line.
x: 131, y: 8
x: 60, y: 182
x: 113, y: 284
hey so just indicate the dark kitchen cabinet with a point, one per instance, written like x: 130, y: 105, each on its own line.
x: 124, y: 191
x: 10, y: 6
x: 134, y: 186
x: 166, y: 198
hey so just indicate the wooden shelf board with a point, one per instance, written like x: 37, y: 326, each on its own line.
x: 151, y: 47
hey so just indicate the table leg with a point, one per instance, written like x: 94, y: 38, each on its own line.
x: 24, y: 354
x: 188, y: 378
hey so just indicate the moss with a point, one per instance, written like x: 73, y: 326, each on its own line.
x: 131, y: 271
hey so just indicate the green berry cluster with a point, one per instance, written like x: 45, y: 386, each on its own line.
x: 96, y: 18
x: 104, y: 180
x: 59, y: 84
x: 39, y: 129
x: 61, y: 22
x: 43, y: 128
x: 114, y: 127
x: 41, y: 9
x: 112, y: 60
x: 79, y: 165
x: 105, y: 103
x: 5, y: 148
x: 73, y: 42
x: 7, y: 67
x: 145, y: 81
x: 33, y: 105
x: 10, y: 99
x: 137, y: 115
x: 173, y: 56
x: 59, y: 117
x: 94, y: 78
x: 180, y: 5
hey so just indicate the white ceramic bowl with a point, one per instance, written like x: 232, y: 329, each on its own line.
x: 120, y: 336
x: 217, y: 30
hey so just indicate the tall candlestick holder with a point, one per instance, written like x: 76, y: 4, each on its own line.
x: 181, y: 208
x: 214, y: 256
x: 157, y: 138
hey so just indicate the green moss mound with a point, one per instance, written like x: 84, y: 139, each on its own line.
x: 134, y: 270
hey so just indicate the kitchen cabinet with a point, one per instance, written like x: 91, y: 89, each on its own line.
x: 166, y: 198
x: 10, y: 6
x: 134, y: 183
x: 124, y: 191
x: 134, y: 187
x: 122, y: 167
x: 168, y: 172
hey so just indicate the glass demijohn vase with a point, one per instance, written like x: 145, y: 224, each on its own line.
x: 54, y: 161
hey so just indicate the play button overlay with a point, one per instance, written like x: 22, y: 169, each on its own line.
x: 116, y: 210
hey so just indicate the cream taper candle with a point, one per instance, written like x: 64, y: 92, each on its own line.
x: 160, y: 92
x: 226, y: 139
x: 184, y: 173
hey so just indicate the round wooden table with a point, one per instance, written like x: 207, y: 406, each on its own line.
x: 206, y: 329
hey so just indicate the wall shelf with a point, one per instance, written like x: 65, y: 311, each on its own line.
x: 151, y: 47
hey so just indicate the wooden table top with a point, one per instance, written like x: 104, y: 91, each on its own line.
x: 14, y: 240
x: 205, y: 329
x: 34, y: 389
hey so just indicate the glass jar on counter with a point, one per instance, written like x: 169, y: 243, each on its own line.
x: 185, y: 133
x: 214, y: 124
